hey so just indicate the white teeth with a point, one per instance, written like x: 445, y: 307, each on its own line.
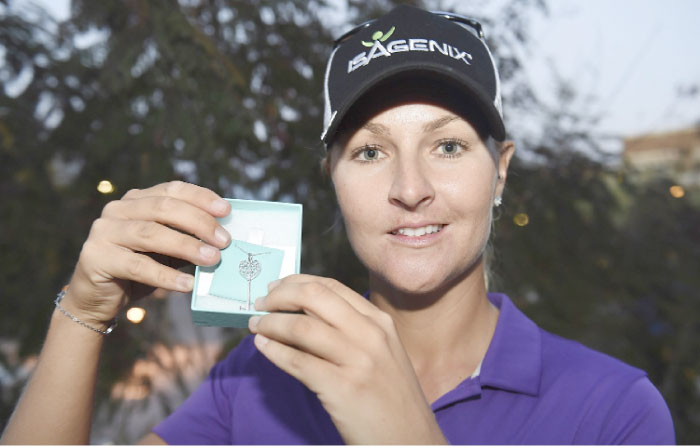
x: 420, y: 231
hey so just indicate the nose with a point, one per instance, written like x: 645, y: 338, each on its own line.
x: 411, y: 185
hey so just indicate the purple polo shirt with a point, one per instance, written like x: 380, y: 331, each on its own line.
x: 533, y: 388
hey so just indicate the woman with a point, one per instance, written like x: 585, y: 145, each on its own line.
x: 416, y: 155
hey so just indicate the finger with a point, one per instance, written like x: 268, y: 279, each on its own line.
x: 303, y: 332
x: 149, y: 236
x: 198, y: 196
x: 172, y: 212
x: 312, y: 371
x: 173, y: 262
x: 358, y: 302
x: 127, y: 265
x: 315, y: 299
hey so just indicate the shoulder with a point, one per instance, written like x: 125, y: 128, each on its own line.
x: 618, y: 403
x: 571, y: 359
x: 246, y: 374
x: 244, y: 360
x: 236, y: 392
x: 204, y: 417
x: 240, y: 355
x: 242, y: 369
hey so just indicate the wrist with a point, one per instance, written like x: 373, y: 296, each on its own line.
x: 69, y: 311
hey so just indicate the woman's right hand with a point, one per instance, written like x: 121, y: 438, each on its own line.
x: 166, y: 221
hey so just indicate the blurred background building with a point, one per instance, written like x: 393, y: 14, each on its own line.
x: 672, y: 155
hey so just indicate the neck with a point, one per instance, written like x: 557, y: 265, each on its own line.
x: 441, y: 328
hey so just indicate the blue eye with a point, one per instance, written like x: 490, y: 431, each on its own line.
x: 451, y: 148
x: 368, y: 154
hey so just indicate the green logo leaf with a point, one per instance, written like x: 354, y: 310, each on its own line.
x: 379, y: 36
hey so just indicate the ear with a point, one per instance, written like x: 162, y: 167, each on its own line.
x: 507, y: 151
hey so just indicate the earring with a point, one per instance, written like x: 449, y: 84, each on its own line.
x: 497, y: 201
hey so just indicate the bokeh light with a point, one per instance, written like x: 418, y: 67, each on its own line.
x: 135, y: 314
x: 521, y: 219
x: 677, y: 191
x: 105, y: 187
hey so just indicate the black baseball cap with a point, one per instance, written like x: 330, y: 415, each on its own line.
x: 410, y: 40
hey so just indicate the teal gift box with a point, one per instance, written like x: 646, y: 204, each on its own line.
x: 265, y: 246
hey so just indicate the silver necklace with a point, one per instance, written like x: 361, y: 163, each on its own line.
x: 250, y: 268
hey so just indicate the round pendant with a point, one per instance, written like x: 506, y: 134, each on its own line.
x: 249, y: 269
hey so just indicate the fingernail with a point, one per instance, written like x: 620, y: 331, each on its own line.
x: 219, y: 206
x: 253, y: 323
x: 259, y: 303
x: 260, y: 340
x: 273, y: 285
x: 207, y: 252
x: 221, y: 235
x: 185, y: 281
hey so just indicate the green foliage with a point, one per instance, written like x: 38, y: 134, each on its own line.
x: 227, y: 94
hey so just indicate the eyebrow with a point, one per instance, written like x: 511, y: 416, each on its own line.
x: 376, y: 128
x: 380, y: 129
x: 440, y: 122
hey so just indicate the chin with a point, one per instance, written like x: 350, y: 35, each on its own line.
x: 416, y: 279
x: 413, y: 286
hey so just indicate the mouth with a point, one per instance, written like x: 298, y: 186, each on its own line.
x: 418, y: 231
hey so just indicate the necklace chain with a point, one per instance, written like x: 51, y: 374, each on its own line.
x: 251, y: 254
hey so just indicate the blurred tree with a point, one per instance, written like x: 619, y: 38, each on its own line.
x: 34, y: 214
x: 227, y: 94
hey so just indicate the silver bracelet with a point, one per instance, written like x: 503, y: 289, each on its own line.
x: 57, y: 302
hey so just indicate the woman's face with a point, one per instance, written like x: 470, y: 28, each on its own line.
x: 415, y: 184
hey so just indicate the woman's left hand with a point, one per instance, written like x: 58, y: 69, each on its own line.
x: 348, y: 352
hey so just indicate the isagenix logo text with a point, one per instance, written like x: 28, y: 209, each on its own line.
x: 395, y: 46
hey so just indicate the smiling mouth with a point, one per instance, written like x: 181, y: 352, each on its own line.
x: 418, y: 231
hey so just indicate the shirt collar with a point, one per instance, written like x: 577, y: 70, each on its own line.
x: 513, y: 360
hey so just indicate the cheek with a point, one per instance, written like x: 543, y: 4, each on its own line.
x: 468, y: 191
x: 357, y: 201
x: 364, y: 208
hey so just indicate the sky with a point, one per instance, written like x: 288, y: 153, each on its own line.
x: 631, y: 57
